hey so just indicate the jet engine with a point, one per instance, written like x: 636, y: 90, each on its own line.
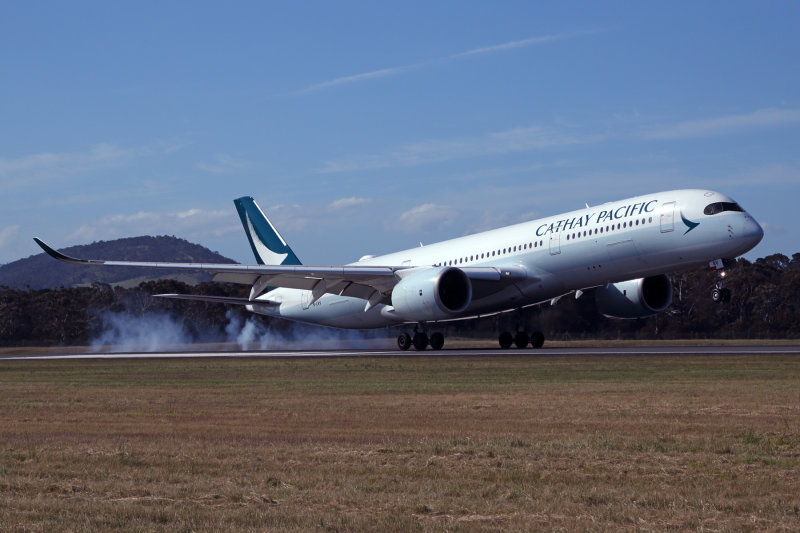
x: 635, y: 298
x: 432, y: 294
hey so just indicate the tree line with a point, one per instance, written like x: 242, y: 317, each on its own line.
x: 765, y: 303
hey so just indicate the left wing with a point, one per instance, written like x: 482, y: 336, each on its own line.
x: 371, y: 283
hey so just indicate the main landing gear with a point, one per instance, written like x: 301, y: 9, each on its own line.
x: 420, y: 340
x: 521, y: 339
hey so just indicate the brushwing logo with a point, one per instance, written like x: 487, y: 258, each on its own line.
x: 267, y: 256
x: 689, y: 224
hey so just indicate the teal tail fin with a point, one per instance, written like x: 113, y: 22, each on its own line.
x: 267, y: 244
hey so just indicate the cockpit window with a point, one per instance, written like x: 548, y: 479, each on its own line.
x: 719, y: 207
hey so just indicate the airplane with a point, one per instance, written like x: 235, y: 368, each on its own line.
x: 621, y: 250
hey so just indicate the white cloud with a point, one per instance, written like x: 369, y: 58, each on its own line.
x: 30, y: 169
x: 223, y: 164
x: 392, y: 71
x: 7, y: 234
x: 353, y: 201
x: 512, y: 44
x: 768, y: 174
x: 189, y: 213
x: 380, y: 73
x: 435, y: 150
x: 425, y: 217
x: 190, y: 223
x: 725, y: 125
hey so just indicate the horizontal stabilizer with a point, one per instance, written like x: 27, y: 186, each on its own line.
x: 215, y: 299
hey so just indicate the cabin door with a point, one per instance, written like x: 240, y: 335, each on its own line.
x: 668, y: 217
x: 555, y: 243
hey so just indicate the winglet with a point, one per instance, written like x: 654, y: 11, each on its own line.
x: 52, y: 252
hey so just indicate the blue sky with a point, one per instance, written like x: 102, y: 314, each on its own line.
x: 369, y: 127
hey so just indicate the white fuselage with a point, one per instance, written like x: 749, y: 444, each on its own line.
x: 618, y: 241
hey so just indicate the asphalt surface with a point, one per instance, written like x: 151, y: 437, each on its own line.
x: 472, y: 352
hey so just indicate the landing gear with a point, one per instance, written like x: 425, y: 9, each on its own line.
x: 505, y: 340
x: 437, y: 341
x: 420, y: 340
x: 537, y: 339
x: 404, y: 341
x: 521, y: 339
x: 720, y: 294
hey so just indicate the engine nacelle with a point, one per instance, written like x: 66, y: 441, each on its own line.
x: 635, y: 298
x: 432, y: 294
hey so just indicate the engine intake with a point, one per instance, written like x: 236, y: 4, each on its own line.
x: 432, y: 294
x: 636, y: 298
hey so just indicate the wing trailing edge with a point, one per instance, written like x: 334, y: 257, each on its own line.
x: 216, y: 299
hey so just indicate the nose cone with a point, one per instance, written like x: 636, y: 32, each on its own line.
x: 752, y: 231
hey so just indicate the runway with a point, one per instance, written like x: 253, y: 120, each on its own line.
x: 655, y: 351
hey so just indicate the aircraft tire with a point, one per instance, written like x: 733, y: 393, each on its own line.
x: 404, y: 341
x: 521, y: 339
x: 420, y: 341
x: 437, y: 341
x: 716, y: 295
x: 505, y: 339
x: 537, y: 339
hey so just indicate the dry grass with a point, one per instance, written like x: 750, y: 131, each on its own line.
x: 399, y: 444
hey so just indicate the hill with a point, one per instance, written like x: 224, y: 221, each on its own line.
x: 43, y: 272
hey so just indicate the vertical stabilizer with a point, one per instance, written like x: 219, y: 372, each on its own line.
x: 267, y: 244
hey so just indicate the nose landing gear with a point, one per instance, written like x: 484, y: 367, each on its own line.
x: 720, y: 294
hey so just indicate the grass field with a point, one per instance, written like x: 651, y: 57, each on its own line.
x: 401, y: 444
